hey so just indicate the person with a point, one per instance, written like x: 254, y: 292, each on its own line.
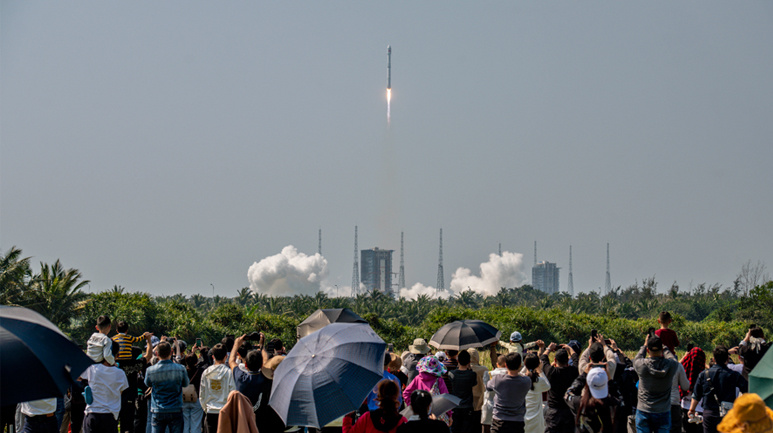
x: 99, y: 346
x: 463, y: 380
x: 192, y: 413
x: 248, y: 378
x: 429, y: 379
x: 385, y: 419
x: 560, y: 374
x: 693, y: 362
x: 752, y: 349
x: 534, y: 419
x: 716, y: 388
x: 395, y: 368
x: 516, y: 344
x: 167, y: 380
x: 599, y: 352
x: 411, y: 358
x: 510, y: 397
x: 216, y: 383
x: 130, y: 366
x: 680, y: 381
x: 107, y: 383
x: 266, y: 418
x: 451, y: 364
x: 421, y: 421
x: 478, y: 390
x: 596, y: 411
x: 125, y: 341
x: 372, y: 398
x: 486, y: 416
x: 39, y: 415
x: 667, y: 336
x: 748, y: 415
x: 656, y: 375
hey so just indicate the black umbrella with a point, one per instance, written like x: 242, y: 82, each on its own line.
x: 321, y: 318
x: 327, y: 374
x: 36, y: 359
x: 463, y: 334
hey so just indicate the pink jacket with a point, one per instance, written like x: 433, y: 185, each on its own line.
x: 424, y: 381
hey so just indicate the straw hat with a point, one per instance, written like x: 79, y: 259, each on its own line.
x: 270, y: 366
x: 748, y: 415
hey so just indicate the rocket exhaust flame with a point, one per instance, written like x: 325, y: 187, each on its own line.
x: 389, y: 105
x: 389, y: 84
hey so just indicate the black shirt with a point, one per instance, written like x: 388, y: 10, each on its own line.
x: 724, y: 380
x: 462, y: 382
x: 560, y: 379
x: 424, y: 426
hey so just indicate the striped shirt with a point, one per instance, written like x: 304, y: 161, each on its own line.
x: 125, y: 341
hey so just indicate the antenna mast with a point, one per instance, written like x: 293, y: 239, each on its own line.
x: 401, y: 280
x: 441, y: 285
x: 356, y: 271
x: 570, y: 286
x: 319, y: 246
x: 608, y: 284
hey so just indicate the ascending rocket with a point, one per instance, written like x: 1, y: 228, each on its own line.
x: 389, y: 67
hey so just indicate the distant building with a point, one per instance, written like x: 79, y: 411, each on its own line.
x: 376, y: 270
x: 544, y: 277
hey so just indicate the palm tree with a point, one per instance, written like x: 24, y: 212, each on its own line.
x: 57, y: 292
x: 244, y: 296
x: 14, y: 277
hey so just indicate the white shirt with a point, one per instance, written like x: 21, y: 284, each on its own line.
x: 216, y: 383
x: 106, y: 385
x: 39, y: 407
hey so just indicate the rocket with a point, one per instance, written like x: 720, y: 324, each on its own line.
x: 389, y: 67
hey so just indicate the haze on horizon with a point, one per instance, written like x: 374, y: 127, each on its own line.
x: 164, y: 147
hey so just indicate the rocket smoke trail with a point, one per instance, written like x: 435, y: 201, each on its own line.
x: 389, y: 84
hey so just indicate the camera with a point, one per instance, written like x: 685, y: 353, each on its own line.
x: 255, y: 336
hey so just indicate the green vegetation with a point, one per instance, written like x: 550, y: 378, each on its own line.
x: 705, y: 315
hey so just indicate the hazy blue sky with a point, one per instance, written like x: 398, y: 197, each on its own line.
x: 164, y: 146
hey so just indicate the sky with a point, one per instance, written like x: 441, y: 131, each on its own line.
x: 198, y: 147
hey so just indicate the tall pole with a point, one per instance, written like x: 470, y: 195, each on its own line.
x: 441, y: 285
x: 401, y: 281
x: 570, y: 286
x: 608, y: 283
x: 319, y: 246
x: 356, y: 270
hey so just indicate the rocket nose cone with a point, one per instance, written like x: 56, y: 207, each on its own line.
x: 389, y: 48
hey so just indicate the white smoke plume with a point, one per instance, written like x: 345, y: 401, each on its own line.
x: 288, y: 273
x: 499, y: 271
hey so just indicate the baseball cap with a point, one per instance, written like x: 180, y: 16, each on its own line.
x: 515, y: 337
x: 655, y: 343
x: 597, y: 383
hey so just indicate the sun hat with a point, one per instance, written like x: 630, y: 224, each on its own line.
x: 516, y: 337
x: 474, y: 356
x: 431, y: 365
x: 597, y: 383
x: 270, y: 366
x: 748, y: 415
x: 419, y: 346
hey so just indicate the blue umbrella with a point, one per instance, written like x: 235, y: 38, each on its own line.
x: 327, y: 374
x: 36, y: 359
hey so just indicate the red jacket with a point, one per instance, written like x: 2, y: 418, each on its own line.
x: 365, y: 424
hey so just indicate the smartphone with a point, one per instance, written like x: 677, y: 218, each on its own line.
x: 198, y: 342
x: 391, y: 347
x: 651, y: 332
x: 594, y: 333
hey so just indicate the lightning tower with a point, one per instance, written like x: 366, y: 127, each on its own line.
x: 441, y: 285
x: 356, y: 271
x: 570, y: 285
x: 608, y: 283
x: 500, y: 249
x: 319, y: 246
x: 401, y: 278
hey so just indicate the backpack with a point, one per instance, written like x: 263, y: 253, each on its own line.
x: 436, y: 391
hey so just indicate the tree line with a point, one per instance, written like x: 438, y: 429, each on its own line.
x: 705, y: 315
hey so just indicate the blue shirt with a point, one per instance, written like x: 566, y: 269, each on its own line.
x: 167, y: 380
x: 372, y: 403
